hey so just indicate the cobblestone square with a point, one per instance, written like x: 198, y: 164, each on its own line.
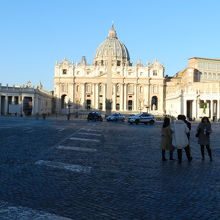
x: 79, y: 170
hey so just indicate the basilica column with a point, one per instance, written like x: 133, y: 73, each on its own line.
x: 93, y: 95
x: 96, y: 96
x: 83, y: 95
x: 114, y: 98
x: 121, y: 97
x: 125, y: 97
x: 104, y: 97
x: 135, y: 97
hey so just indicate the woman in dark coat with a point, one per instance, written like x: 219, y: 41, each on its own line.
x: 203, y: 133
x: 166, y: 139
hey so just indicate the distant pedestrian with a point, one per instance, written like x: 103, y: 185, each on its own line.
x: 203, y: 133
x: 166, y: 139
x: 179, y: 138
x: 187, y: 148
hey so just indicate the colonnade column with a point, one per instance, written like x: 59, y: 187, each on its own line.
x: 211, y: 106
x: 6, y: 104
x: 194, y: 108
x: 217, y: 109
x: 125, y: 97
x: 33, y: 105
x: 121, y: 97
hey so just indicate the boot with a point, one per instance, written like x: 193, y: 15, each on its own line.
x: 163, y: 155
x: 202, y: 152
x: 179, y: 153
x: 171, y: 155
x: 188, y: 155
x: 209, y: 152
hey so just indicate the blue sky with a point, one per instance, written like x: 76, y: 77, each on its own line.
x: 36, y: 33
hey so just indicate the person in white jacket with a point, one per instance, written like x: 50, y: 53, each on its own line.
x: 179, y: 138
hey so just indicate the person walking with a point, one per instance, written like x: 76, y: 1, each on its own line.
x: 187, y: 148
x: 203, y: 133
x: 166, y: 139
x: 179, y: 138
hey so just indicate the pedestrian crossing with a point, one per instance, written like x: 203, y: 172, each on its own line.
x: 10, y: 212
x: 89, y: 136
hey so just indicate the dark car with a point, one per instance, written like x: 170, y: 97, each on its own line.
x: 94, y: 116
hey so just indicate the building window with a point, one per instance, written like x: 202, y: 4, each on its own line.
x: 130, y: 88
x: 141, y: 89
x: 88, y: 104
x: 129, y: 105
x: 64, y: 71
x: 63, y: 101
x: 102, y: 62
x: 118, y: 63
x: 77, y: 88
x: 16, y: 100
x: 100, y: 106
x: 154, y: 72
x: 117, y: 106
x: 100, y: 88
x: 88, y: 88
x: 214, y: 75
x: 154, y: 103
x: 63, y: 88
x: 117, y: 89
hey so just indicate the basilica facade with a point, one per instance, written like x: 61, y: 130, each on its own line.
x: 111, y: 77
x: 112, y: 80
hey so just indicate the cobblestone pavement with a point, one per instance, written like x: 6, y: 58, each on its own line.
x: 79, y: 170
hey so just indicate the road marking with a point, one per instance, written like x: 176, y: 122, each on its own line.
x: 85, y: 133
x: 21, y: 213
x: 84, y: 139
x: 88, y: 129
x: 64, y: 166
x: 62, y: 129
x: 83, y: 149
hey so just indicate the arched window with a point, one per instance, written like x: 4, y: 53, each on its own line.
x: 63, y: 101
x: 154, y: 103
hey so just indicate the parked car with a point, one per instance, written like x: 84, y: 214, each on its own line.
x: 141, y: 118
x: 115, y: 117
x: 94, y: 116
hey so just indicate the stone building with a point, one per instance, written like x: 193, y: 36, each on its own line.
x: 25, y: 100
x: 195, y: 91
x: 110, y: 80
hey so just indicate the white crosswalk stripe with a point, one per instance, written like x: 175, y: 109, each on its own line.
x: 8, y: 212
x: 64, y: 166
x: 85, y: 133
x: 84, y: 139
x: 83, y: 149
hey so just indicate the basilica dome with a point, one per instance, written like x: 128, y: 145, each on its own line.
x: 114, y: 48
